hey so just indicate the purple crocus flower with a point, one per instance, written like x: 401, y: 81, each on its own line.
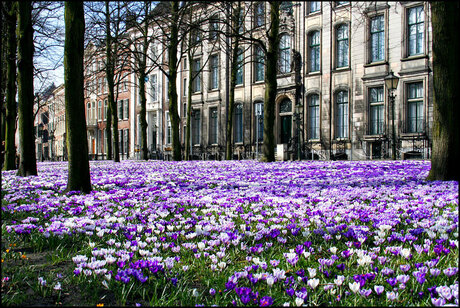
x: 379, y: 289
x: 266, y: 301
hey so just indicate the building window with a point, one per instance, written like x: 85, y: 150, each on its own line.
x: 196, y: 75
x: 314, y: 6
x: 240, y: 21
x: 185, y: 88
x: 213, y: 27
x: 314, y: 49
x: 93, y: 111
x: 105, y: 140
x: 238, y: 123
x: 120, y: 110
x: 342, y: 46
x: 285, y: 120
x: 105, y: 110
x: 259, y: 64
x: 376, y: 111
x: 214, y: 67
x: 259, y: 120
x: 213, y: 125
x: 259, y: 14
x: 99, y: 110
x: 240, y: 65
x: 126, y: 141
x: 285, y: 54
x: 286, y: 6
x: 415, y: 28
x: 168, y: 128
x: 154, y: 87
x: 377, y: 38
x: 313, y: 116
x: 126, y: 109
x: 342, y: 114
x: 415, y: 107
x: 120, y: 141
x: 196, y: 125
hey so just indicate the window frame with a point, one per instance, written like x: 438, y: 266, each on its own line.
x: 381, y: 34
x: 380, y: 106
x: 339, y: 48
x: 317, y: 122
x: 418, y: 102
x: 214, y: 72
x: 407, y: 30
x: 213, y: 125
x: 284, y: 61
x: 314, y: 47
x: 342, y: 131
x: 238, y: 125
x: 259, y: 64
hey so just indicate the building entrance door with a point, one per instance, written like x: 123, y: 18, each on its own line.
x: 286, y: 128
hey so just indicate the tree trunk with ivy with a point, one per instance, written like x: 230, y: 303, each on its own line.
x: 76, y: 137
x: 271, y: 86
x: 27, y: 161
x: 445, y: 25
x: 10, y: 125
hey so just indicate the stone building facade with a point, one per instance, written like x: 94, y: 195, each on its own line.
x: 342, y: 109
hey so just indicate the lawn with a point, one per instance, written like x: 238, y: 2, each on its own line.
x: 203, y: 233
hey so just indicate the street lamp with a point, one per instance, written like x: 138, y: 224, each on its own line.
x: 391, y: 83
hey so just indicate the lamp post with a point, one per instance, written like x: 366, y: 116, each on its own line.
x: 258, y: 111
x: 391, y: 83
x: 298, y: 118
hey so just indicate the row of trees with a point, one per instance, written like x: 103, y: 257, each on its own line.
x: 177, y: 25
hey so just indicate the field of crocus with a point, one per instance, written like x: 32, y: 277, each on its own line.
x: 204, y: 233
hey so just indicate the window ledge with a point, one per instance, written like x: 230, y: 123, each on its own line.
x: 376, y: 63
x: 341, y: 69
x: 315, y: 13
x: 315, y: 73
x: 413, y: 135
x: 415, y: 57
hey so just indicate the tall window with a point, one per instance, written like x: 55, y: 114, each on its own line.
x: 376, y: 111
x: 342, y: 46
x: 238, y: 124
x: 120, y: 110
x: 259, y: 64
x: 259, y: 120
x: 377, y: 29
x: 154, y: 87
x: 314, y: 41
x: 196, y: 74
x: 239, y: 72
x: 313, y: 116
x: 105, y: 110
x: 259, y: 14
x: 314, y: 6
x: 168, y: 128
x: 415, y: 24
x: 285, y: 54
x: 415, y: 107
x: 214, y: 67
x: 196, y: 125
x: 240, y: 21
x: 99, y: 110
x: 213, y: 27
x: 285, y: 120
x: 342, y: 114
x: 213, y: 125
x: 126, y: 109
x: 120, y: 143
x: 126, y: 141
x: 88, y: 113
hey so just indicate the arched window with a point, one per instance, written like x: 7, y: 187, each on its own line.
x: 314, y: 51
x: 285, y: 54
x: 342, y: 114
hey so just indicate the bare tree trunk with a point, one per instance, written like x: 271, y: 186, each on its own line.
x: 10, y: 127
x: 271, y: 86
x: 76, y: 141
x: 188, y: 140
x: 27, y: 162
x: 445, y: 24
x: 143, y: 113
x: 172, y: 91
x: 233, y: 72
